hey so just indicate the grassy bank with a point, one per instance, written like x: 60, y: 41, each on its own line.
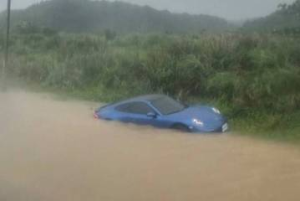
x: 254, y: 79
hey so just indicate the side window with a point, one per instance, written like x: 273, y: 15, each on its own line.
x: 135, y: 108
x: 140, y: 108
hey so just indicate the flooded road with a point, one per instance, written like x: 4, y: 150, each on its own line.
x: 53, y: 150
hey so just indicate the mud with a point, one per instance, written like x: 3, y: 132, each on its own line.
x: 53, y: 150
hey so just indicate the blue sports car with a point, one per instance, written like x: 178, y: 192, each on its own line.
x: 164, y: 112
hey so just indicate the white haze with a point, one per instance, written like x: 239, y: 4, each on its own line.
x: 229, y: 9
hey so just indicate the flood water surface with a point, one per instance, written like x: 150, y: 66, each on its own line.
x: 53, y: 150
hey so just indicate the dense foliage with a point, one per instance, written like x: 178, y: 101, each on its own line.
x: 98, y: 16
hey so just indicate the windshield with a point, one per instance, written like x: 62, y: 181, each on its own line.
x: 167, y: 105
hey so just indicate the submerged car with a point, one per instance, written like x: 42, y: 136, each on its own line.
x: 164, y: 112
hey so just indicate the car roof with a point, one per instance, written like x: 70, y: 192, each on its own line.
x: 147, y: 98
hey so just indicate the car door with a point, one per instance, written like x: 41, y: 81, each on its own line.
x: 139, y: 113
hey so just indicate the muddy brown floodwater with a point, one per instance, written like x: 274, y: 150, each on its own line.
x: 53, y: 150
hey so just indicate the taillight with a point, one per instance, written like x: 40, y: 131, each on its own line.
x: 96, y: 116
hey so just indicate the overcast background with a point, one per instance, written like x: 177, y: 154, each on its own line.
x: 229, y: 9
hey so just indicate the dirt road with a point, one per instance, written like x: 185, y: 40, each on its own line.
x: 53, y: 150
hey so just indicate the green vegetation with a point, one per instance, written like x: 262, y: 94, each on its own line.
x: 98, y: 16
x: 255, y: 79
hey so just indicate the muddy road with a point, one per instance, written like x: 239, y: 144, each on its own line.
x: 53, y: 150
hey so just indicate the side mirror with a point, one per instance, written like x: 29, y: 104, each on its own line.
x: 152, y: 115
